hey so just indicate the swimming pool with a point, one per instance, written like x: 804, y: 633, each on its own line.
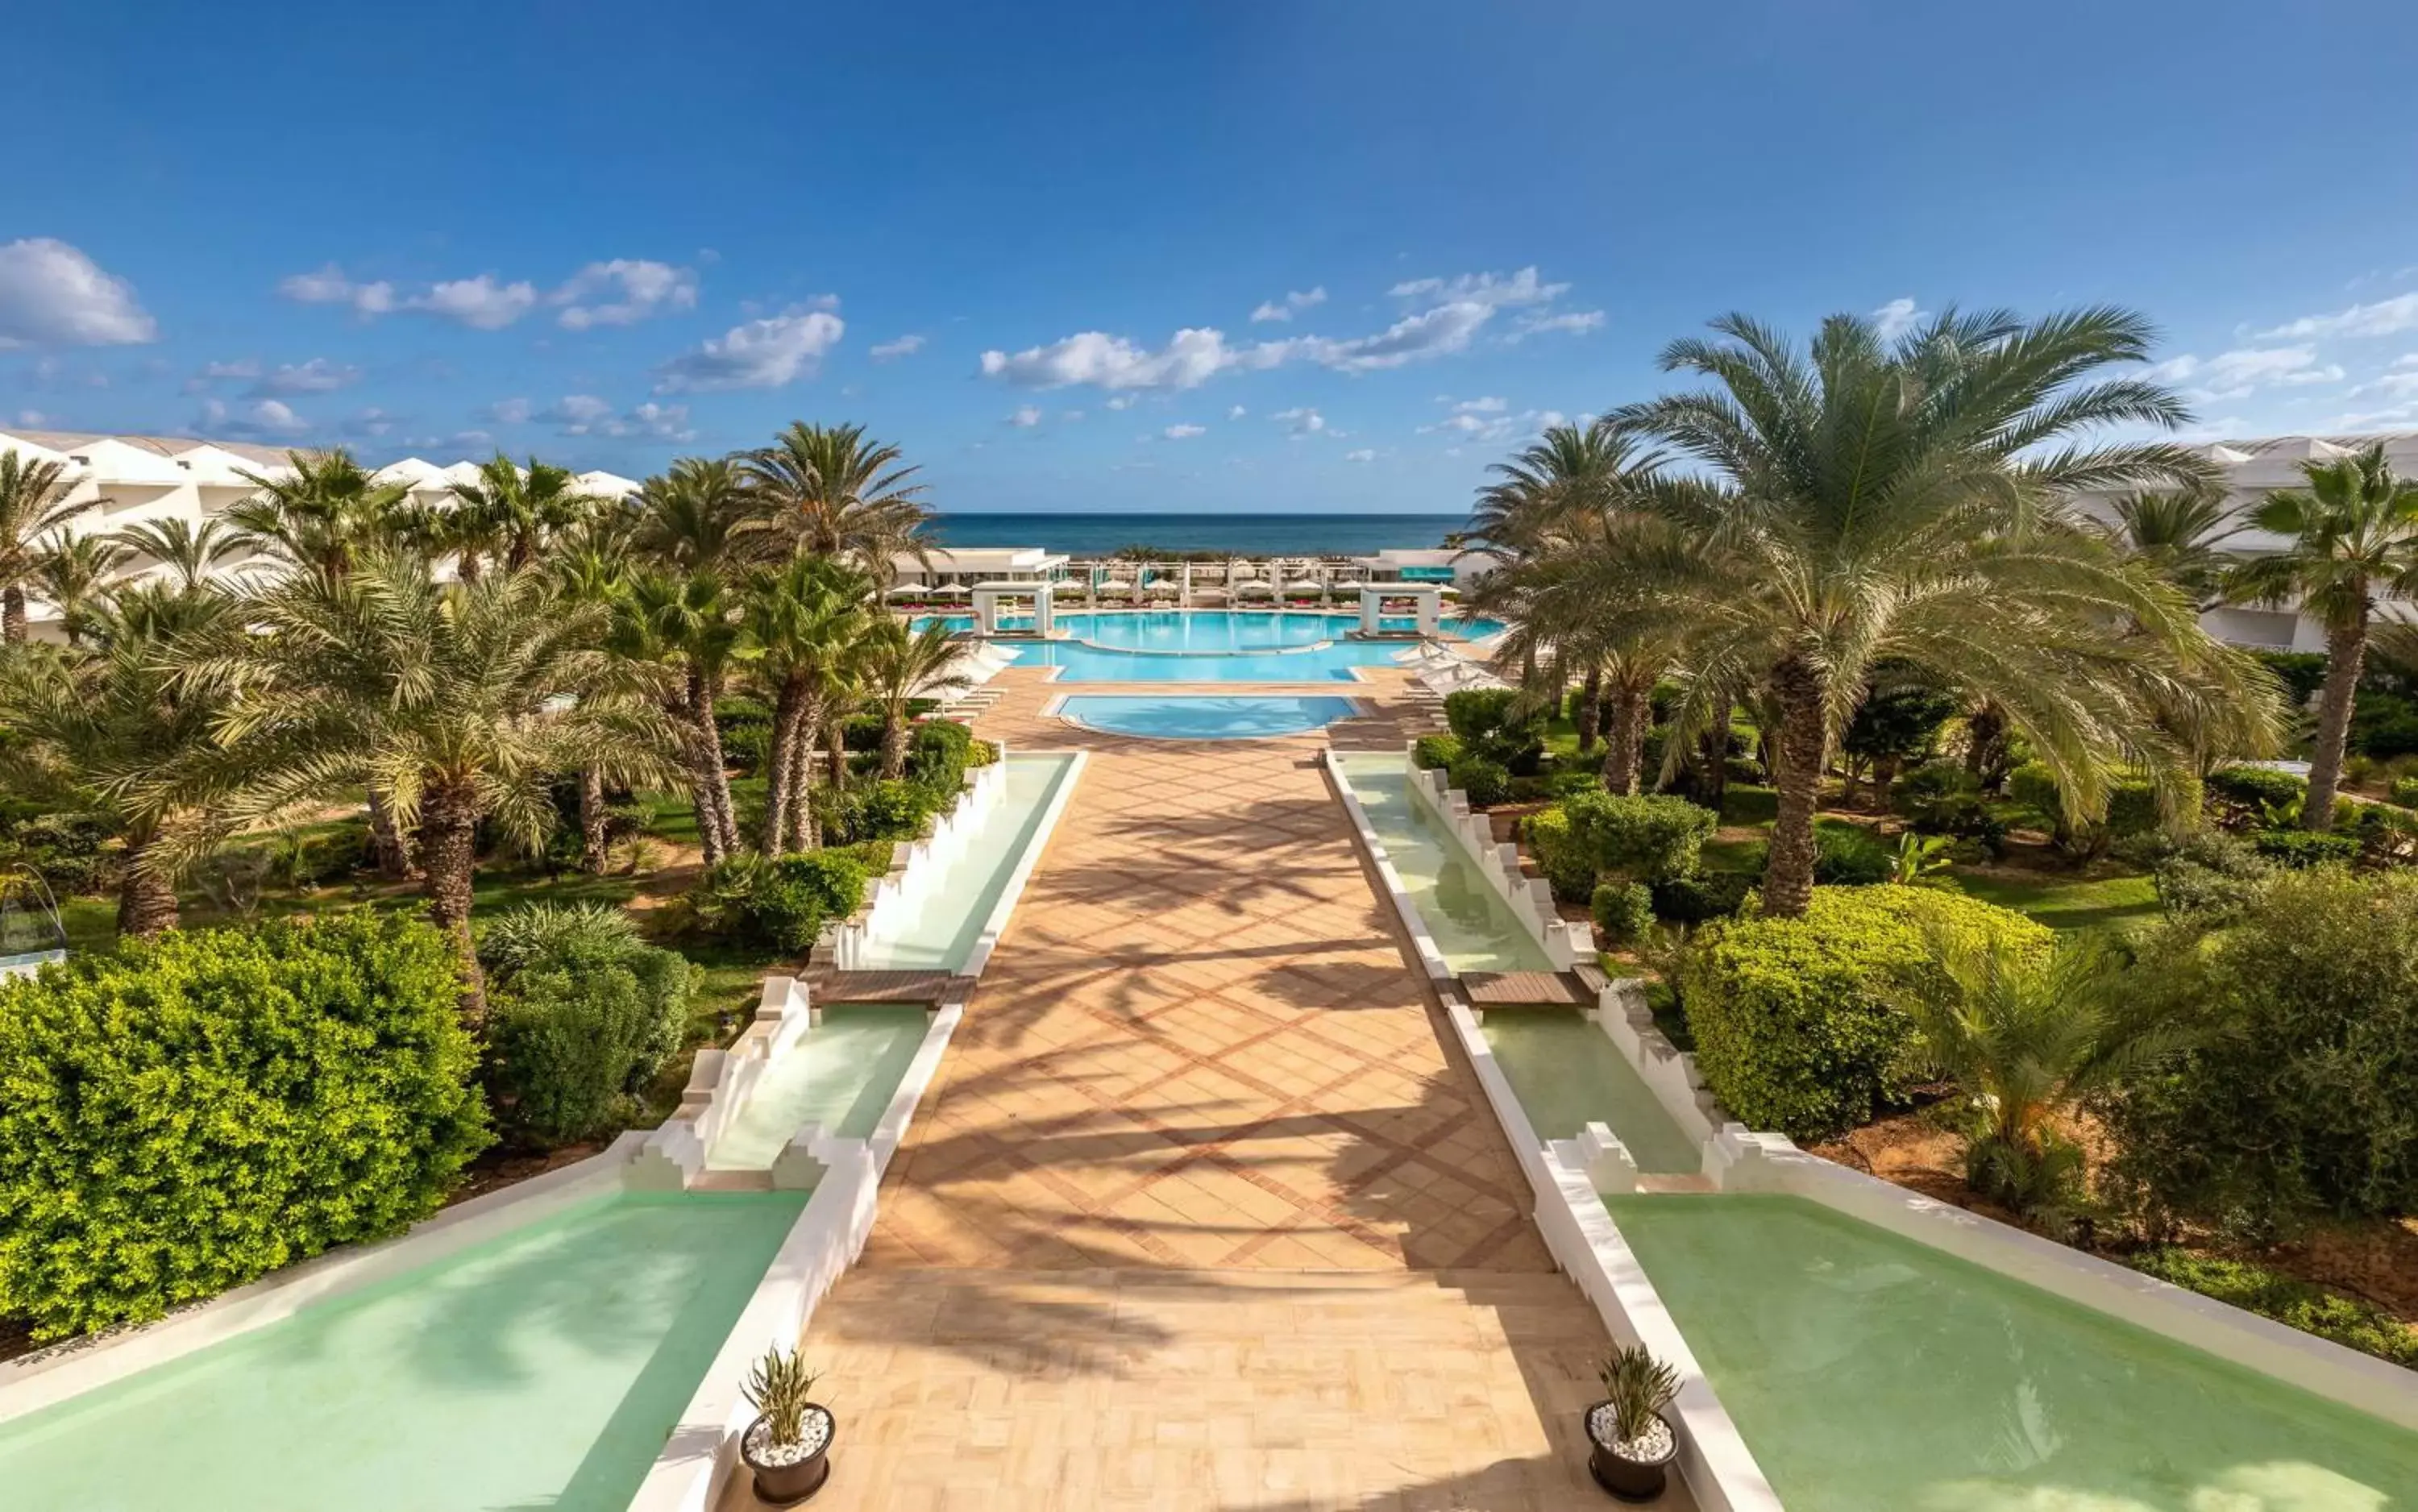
x: 1203, y: 717
x: 1211, y: 645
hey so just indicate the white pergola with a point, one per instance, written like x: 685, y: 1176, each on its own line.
x: 1429, y: 597
x: 988, y: 596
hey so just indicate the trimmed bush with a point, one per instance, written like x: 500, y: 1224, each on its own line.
x: 1792, y: 1026
x: 2295, y: 1304
x: 1487, y: 783
x: 2302, y: 848
x: 2405, y: 791
x: 1649, y: 838
x: 190, y: 1114
x: 782, y: 902
x: 1622, y: 910
x: 884, y: 809
x: 2210, y: 873
x: 1432, y: 753
x: 68, y: 850
x: 1847, y: 855
x: 1485, y: 722
x: 2250, y: 791
x: 581, y: 1028
x: 1698, y: 899
x: 2299, y: 1093
x: 1569, y: 871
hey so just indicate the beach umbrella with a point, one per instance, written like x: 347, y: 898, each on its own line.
x: 1252, y: 586
x: 908, y: 590
x: 949, y: 590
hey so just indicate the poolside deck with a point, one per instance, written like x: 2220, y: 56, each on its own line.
x: 1201, y: 1211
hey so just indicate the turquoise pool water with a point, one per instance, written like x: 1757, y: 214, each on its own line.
x: 541, y: 1369
x: 939, y: 933
x: 1205, y: 717
x: 842, y: 1074
x: 1213, y: 645
x: 1868, y: 1371
x: 1474, y: 929
x: 1567, y: 1074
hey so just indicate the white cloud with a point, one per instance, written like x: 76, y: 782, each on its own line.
x: 1363, y: 454
x: 1182, y: 433
x: 481, y: 303
x: 1026, y: 416
x: 507, y: 411
x: 316, y: 376
x: 328, y: 285
x: 1896, y: 318
x: 1489, y: 289
x: 1191, y: 358
x: 588, y: 415
x: 761, y: 354
x: 2233, y: 374
x: 1072, y: 415
x: 369, y: 423
x: 1486, y: 419
x: 1445, y: 329
x: 1483, y: 404
x: 1299, y: 422
x: 642, y: 288
x: 1237, y: 412
x: 907, y: 345
x: 267, y: 420
x: 1289, y: 305
x: 2383, y: 318
x: 1122, y: 401
x: 51, y: 294
x: 1576, y: 321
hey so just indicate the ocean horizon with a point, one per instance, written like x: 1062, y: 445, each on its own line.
x: 1255, y: 535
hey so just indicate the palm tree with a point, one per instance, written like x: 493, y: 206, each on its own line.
x: 836, y: 495
x: 511, y: 514
x: 460, y: 701
x: 2025, y: 1035
x: 112, y: 732
x: 800, y: 623
x: 73, y: 572
x: 2354, y: 529
x: 900, y: 664
x: 33, y: 505
x: 1862, y: 501
x: 686, y: 620
x: 190, y: 554
x: 2180, y: 534
x: 703, y: 513
x: 321, y: 514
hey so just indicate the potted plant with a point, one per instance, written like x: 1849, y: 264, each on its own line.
x: 1633, y: 1437
x: 787, y: 1448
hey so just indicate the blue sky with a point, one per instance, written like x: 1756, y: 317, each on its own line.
x: 1029, y: 243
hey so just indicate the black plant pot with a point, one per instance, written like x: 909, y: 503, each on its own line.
x: 1630, y: 1480
x: 788, y: 1485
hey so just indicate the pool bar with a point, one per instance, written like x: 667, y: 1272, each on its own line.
x: 1844, y: 1343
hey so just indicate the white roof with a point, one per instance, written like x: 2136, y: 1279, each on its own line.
x: 416, y: 472
x: 606, y: 484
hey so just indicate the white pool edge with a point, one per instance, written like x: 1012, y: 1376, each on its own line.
x: 73, y: 1368
x: 1529, y: 898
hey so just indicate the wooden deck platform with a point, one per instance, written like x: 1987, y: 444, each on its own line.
x: 829, y: 984
x: 1525, y: 987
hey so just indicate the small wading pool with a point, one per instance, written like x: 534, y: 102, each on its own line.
x: 1197, y: 717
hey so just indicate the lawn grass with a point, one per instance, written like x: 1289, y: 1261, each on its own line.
x: 2119, y: 901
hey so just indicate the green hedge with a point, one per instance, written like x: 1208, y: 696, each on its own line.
x: 2295, y: 1304
x: 187, y: 1114
x: 2302, y: 848
x: 1622, y: 910
x: 782, y: 903
x: 586, y: 1012
x: 1792, y: 1028
x: 1486, y: 723
x: 1486, y: 783
x: 1847, y: 855
x: 1431, y: 752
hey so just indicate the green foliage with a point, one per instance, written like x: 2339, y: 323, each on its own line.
x: 1848, y: 855
x: 1486, y: 782
x: 192, y: 1112
x: 1431, y: 752
x: 941, y: 752
x: 2383, y: 725
x: 2209, y: 874
x: 782, y: 1388
x: 2246, y: 792
x: 554, y: 931
x: 2405, y: 791
x: 2300, y: 1094
x: 68, y: 849
x: 1488, y: 724
x: 2303, y: 673
x: 1623, y: 911
x: 1706, y: 895
x: 580, y: 1029
x: 1920, y: 859
x: 1793, y: 1019
x: 1638, y: 1385
x: 1569, y: 871
x: 781, y: 903
x: 1649, y: 838
x: 1898, y: 723
x: 2295, y: 1304
x: 2302, y: 848
x: 886, y: 809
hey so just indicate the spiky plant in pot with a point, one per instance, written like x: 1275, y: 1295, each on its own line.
x: 788, y: 1446
x: 1633, y: 1441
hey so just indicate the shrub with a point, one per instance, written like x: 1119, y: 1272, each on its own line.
x: 1623, y: 911
x: 2299, y: 1092
x: 2208, y: 873
x: 554, y: 931
x: 1486, y: 782
x: 2387, y: 836
x: 1706, y: 895
x: 1570, y: 872
x: 1649, y: 838
x: 2303, y: 673
x: 1847, y: 855
x: 2245, y: 793
x: 1792, y: 1026
x: 581, y: 1027
x: 1926, y: 785
x: 1432, y: 753
x: 940, y: 752
x: 782, y: 902
x: 884, y: 809
x: 2383, y: 725
x: 1487, y: 724
x: 747, y: 747
x: 2405, y: 791
x: 189, y: 1113
x: 69, y: 850
x: 2301, y: 848
x: 2295, y: 1304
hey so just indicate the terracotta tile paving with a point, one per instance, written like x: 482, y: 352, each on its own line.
x: 1201, y: 1212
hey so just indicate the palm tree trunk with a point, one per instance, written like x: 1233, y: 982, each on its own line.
x: 591, y: 821
x: 12, y: 616
x: 837, y: 740
x: 801, y: 778
x: 788, y: 719
x: 146, y: 901
x: 1985, y: 747
x: 894, y: 743
x: 2346, y: 648
x: 1788, y: 880
x: 1590, y: 710
x: 449, y: 824
x: 393, y: 859
x: 1622, y: 740
x: 1884, y: 778
x: 717, y: 829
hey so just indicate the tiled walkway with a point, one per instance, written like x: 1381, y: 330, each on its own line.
x: 1201, y: 1212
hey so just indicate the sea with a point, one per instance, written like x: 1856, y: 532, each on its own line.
x: 1249, y: 535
